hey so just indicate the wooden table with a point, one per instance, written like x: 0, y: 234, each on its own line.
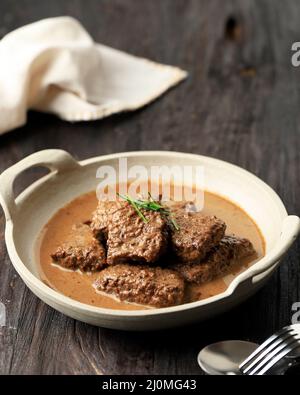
x: 241, y: 103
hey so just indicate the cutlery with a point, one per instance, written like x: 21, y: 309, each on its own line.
x: 224, y: 358
x: 274, y: 349
x: 244, y: 358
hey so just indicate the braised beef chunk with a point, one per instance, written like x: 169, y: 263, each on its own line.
x: 128, y: 237
x: 102, y: 217
x: 81, y: 251
x: 141, y: 284
x: 197, y: 234
x: 218, y: 261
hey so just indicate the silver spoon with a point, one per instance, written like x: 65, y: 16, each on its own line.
x: 224, y: 358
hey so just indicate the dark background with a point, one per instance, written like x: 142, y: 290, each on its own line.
x: 241, y: 104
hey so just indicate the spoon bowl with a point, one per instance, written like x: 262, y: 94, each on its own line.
x: 224, y: 358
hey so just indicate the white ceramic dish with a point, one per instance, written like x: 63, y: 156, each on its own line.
x: 28, y: 213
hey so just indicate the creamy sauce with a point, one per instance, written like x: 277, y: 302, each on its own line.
x: 78, y: 285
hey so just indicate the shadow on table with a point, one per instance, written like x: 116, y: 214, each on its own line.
x: 158, y: 350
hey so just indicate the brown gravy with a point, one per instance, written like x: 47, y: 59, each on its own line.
x: 78, y: 286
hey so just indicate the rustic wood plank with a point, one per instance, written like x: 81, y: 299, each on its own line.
x: 240, y: 103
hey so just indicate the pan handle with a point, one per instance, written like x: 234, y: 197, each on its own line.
x: 53, y: 159
x: 289, y: 233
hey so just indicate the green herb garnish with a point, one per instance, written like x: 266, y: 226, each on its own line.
x: 150, y: 205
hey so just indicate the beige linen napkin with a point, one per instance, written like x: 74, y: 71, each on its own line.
x: 54, y: 66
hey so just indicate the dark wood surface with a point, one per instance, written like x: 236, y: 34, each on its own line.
x: 241, y: 104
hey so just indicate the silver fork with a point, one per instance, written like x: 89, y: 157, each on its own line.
x: 272, y: 351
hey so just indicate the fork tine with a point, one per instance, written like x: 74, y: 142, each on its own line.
x: 264, y: 345
x: 283, y: 346
x: 286, y: 351
x: 267, y: 350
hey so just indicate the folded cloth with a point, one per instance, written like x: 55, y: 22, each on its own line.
x: 55, y: 66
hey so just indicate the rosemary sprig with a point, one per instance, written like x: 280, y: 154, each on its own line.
x: 150, y: 205
x: 135, y: 206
